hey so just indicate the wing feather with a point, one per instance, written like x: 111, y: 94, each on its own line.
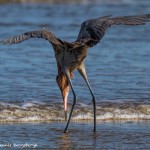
x: 33, y: 34
x: 93, y: 30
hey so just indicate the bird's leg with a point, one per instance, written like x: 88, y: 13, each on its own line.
x: 82, y: 71
x: 67, y: 72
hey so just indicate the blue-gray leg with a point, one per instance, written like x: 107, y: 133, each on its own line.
x: 66, y: 71
x: 82, y: 71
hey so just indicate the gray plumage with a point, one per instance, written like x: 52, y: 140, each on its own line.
x: 33, y: 34
x: 91, y: 30
x: 95, y: 29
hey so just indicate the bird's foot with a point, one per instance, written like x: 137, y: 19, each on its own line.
x: 94, y: 130
x: 65, y: 131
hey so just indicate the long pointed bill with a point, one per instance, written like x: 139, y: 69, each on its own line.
x: 65, y: 105
x: 64, y: 87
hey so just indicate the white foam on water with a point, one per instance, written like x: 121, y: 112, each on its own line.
x: 32, y: 111
x: 87, y: 116
x: 28, y: 104
x: 2, y: 104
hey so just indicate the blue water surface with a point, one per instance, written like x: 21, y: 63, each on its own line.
x: 118, y: 68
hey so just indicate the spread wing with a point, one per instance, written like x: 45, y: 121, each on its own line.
x: 33, y: 34
x: 93, y: 30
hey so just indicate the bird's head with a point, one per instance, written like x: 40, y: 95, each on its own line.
x: 64, y: 88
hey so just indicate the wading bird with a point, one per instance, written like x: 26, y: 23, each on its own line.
x: 71, y: 56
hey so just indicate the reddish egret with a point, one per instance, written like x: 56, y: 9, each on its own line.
x: 71, y: 56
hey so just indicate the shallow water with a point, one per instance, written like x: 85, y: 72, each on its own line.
x: 118, y: 71
x: 80, y: 136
